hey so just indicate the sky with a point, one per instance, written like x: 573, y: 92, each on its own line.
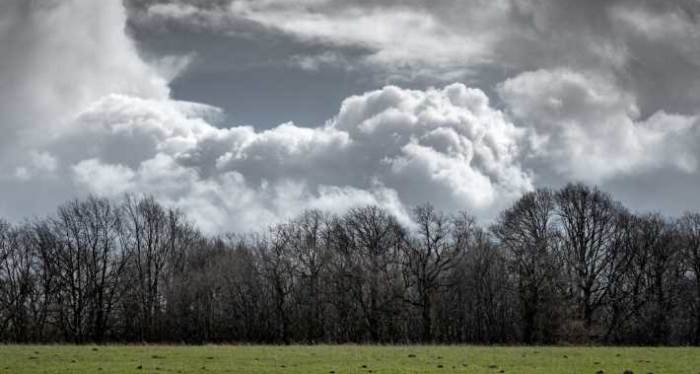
x: 242, y: 113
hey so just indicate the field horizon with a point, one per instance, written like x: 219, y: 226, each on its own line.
x: 347, y: 358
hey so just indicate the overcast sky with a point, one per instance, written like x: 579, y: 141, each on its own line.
x: 244, y: 112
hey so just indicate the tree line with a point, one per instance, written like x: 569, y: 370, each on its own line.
x: 559, y: 266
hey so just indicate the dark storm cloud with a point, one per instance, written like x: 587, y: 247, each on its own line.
x: 254, y: 73
x: 478, y: 42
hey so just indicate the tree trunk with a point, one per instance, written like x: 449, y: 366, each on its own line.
x: 427, y: 319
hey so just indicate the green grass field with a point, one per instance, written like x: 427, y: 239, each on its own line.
x: 345, y: 359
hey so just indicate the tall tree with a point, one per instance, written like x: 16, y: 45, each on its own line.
x: 309, y: 245
x: 588, y: 220
x: 689, y: 230
x: 440, y: 242
x: 91, y: 261
x: 152, y: 236
x: 374, y: 241
x: 279, y: 269
x: 528, y: 233
x: 16, y: 283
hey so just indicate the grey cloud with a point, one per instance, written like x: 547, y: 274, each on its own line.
x: 53, y: 67
x: 479, y: 42
x: 601, y: 91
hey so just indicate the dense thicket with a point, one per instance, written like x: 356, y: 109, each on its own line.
x: 571, y: 265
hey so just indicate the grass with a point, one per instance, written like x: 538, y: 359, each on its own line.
x: 345, y: 359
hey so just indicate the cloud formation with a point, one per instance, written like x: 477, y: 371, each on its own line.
x: 452, y: 39
x: 85, y: 112
x: 391, y: 147
x: 586, y: 128
x: 57, y: 58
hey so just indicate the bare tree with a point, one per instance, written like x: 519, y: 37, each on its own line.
x: 439, y: 243
x: 91, y: 261
x: 16, y: 283
x: 689, y: 230
x: 663, y: 275
x: 342, y: 285
x: 246, y: 295
x: 44, y: 245
x: 479, y: 306
x: 374, y: 238
x: 557, y: 266
x: 528, y: 233
x: 621, y: 278
x: 6, y: 297
x: 309, y: 245
x: 278, y: 269
x: 152, y: 235
x: 588, y: 222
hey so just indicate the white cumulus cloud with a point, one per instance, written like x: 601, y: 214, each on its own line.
x: 586, y: 127
x: 391, y: 147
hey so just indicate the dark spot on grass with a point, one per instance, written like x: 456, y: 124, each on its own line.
x: 411, y: 355
x: 156, y: 357
x: 439, y: 366
x: 439, y: 357
x: 140, y: 367
x: 628, y: 371
x: 596, y: 363
x: 210, y: 358
x: 600, y: 372
x: 501, y: 371
x: 33, y: 357
x: 565, y: 356
x: 364, y: 366
x: 493, y: 366
x: 95, y: 349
